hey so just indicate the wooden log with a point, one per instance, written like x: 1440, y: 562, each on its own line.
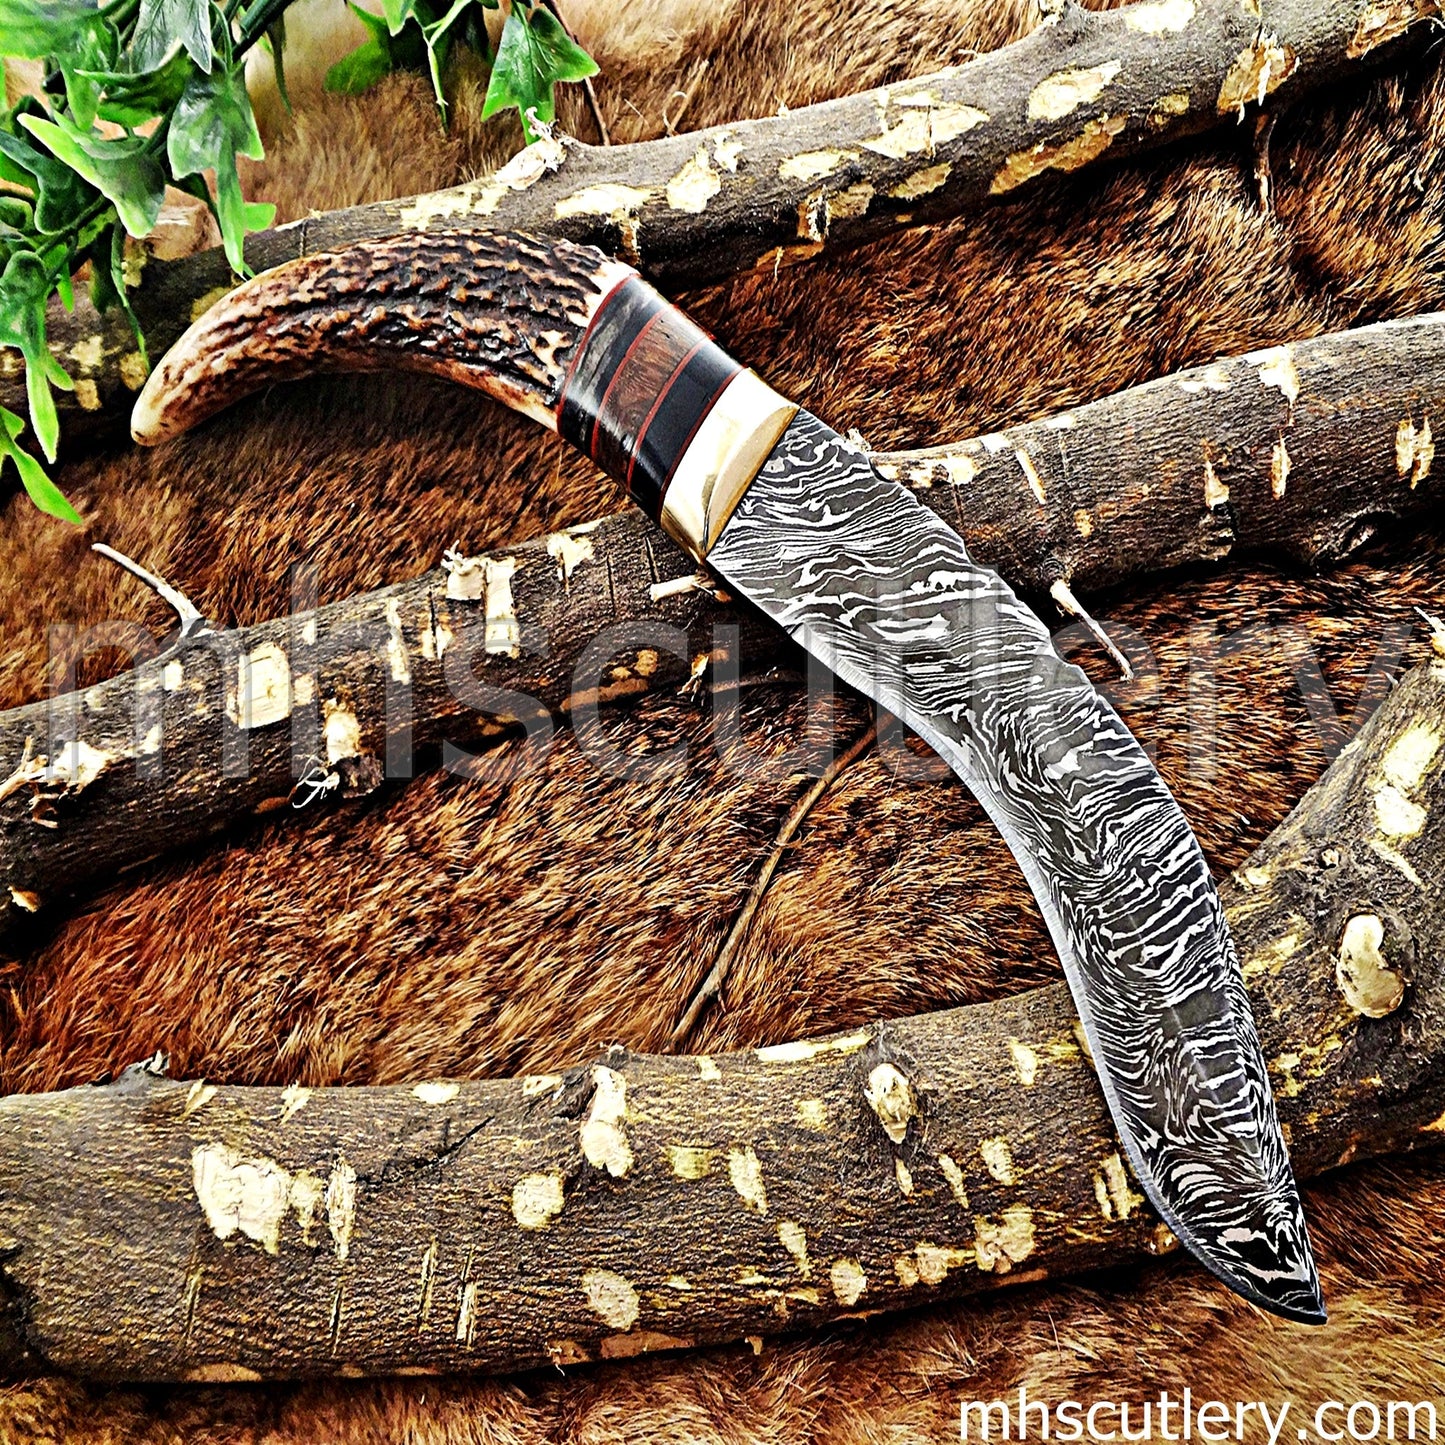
x: 159, y: 1230
x: 709, y: 204
x: 1298, y: 454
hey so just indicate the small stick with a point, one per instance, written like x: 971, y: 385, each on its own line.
x: 191, y: 619
x: 1070, y: 605
x: 712, y: 986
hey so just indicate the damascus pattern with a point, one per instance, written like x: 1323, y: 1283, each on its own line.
x: 873, y: 584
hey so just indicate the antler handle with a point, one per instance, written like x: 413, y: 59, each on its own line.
x: 565, y: 334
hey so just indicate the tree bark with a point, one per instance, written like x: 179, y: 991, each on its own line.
x: 710, y: 204
x: 157, y: 1230
x: 1298, y: 454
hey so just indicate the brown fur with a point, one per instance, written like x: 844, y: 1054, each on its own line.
x: 474, y: 929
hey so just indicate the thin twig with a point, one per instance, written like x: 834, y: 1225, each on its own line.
x: 669, y: 121
x: 1070, y: 605
x: 712, y: 986
x: 604, y: 136
x: 191, y: 618
x: 1263, y: 170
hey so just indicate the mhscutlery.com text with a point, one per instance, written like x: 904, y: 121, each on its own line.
x: 1187, y: 1417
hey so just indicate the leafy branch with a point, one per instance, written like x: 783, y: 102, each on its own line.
x: 534, y: 55
x: 137, y: 94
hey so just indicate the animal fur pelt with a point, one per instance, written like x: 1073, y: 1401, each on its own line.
x: 477, y: 928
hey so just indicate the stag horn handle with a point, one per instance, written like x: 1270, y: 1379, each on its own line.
x: 564, y: 333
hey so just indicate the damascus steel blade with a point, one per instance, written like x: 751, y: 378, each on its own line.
x: 873, y: 584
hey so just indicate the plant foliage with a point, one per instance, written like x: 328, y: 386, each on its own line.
x: 534, y: 55
x: 137, y: 94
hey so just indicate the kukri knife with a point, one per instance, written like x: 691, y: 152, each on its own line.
x: 867, y: 579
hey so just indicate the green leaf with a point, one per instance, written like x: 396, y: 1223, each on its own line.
x: 534, y: 55
x: 123, y: 170
x: 163, y: 26
x: 43, y: 492
x: 16, y: 214
x: 60, y: 194
x: 396, y: 13
x: 107, y: 283
x: 212, y: 124
x: 361, y: 69
x: 274, y: 43
x: 25, y: 288
x: 91, y: 47
x: 34, y: 29
x: 132, y: 99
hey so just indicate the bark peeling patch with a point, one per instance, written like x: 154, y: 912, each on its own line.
x: 503, y: 634
x: 998, y: 1159
x: 694, y: 185
x: 1216, y: 492
x: 610, y: 200
x: 262, y: 696
x: 602, y: 1136
x: 1279, y: 469
x: 294, y: 1098
x: 1069, y: 155
x: 848, y: 1281
x: 922, y: 183
x: 1414, y: 450
x: 794, y: 1239
x: 892, y: 1099
x: 641, y: 1342
x: 746, y: 1172
x: 569, y: 551
x: 396, y: 655
x: 1385, y: 22
x: 341, y: 1207
x: 1031, y: 476
x: 1066, y: 90
x: 466, y: 577
x: 813, y: 1114
x: 1276, y: 368
x: 612, y: 1298
x: 954, y: 1175
x: 813, y: 165
x: 804, y: 1050
x: 341, y: 732
x: 1159, y: 17
x: 77, y: 765
x: 1258, y: 71
x: 223, y: 1374
x: 436, y: 1092
x: 1363, y: 973
x: 250, y: 1196
x: 689, y: 1162
x: 924, y: 129
x: 999, y: 1245
x: 537, y: 1200
x: 1025, y: 1062
x: 935, y: 1260
x: 1116, y: 1198
x: 1403, y: 770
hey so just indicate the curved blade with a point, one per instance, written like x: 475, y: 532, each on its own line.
x: 873, y: 584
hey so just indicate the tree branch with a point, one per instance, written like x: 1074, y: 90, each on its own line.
x: 1298, y: 454
x: 702, y: 206
x: 152, y: 1230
